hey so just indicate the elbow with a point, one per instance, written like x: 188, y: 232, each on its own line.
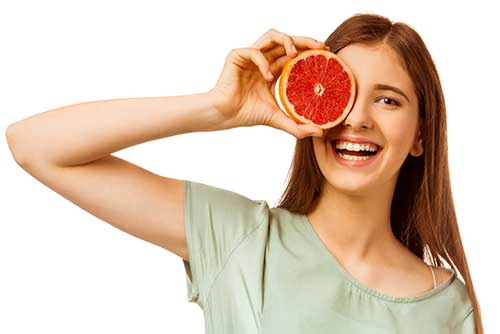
x: 13, y: 141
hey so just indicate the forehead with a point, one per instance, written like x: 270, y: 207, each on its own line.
x: 376, y: 64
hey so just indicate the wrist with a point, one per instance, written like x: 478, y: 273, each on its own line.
x: 220, y: 116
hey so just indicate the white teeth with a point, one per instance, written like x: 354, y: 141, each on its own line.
x: 353, y: 157
x: 343, y: 145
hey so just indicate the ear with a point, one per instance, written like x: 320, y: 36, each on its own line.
x: 418, y: 147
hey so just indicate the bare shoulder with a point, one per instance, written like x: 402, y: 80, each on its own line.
x: 442, y: 274
x: 419, y: 270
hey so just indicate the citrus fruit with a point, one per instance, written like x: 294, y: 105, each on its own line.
x: 317, y: 87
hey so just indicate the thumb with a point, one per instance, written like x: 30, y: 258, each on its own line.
x: 283, y: 122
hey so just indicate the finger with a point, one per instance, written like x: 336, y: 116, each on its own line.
x: 304, y: 42
x: 282, y: 122
x: 255, y: 56
x: 291, y: 43
x: 311, y: 130
x: 266, y: 41
x: 279, y: 50
x: 277, y: 66
x: 273, y: 37
x: 275, y: 52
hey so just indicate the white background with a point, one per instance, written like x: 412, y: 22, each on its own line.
x: 65, y: 271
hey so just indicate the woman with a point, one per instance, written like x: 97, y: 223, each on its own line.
x: 344, y: 249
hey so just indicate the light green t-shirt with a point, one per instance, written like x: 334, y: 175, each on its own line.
x: 260, y: 270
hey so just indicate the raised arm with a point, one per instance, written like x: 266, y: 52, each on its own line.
x: 69, y: 148
x: 81, y: 133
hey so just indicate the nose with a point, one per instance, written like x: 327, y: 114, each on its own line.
x: 359, y: 116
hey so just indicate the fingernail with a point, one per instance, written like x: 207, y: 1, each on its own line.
x: 294, y: 49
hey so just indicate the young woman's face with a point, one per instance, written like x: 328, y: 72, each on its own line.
x: 382, y: 116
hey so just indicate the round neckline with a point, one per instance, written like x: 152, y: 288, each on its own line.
x: 365, y: 288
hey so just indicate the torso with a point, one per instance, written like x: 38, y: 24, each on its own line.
x: 403, y: 282
x: 403, y: 274
x: 394, y: 270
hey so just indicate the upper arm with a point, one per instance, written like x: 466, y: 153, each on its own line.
x: 201, y: 224
x: 218, y: 221
x: 128, y: 197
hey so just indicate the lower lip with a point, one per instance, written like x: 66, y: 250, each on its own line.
x: 354, y: 163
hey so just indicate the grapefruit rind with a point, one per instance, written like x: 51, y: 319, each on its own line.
x: 288, y: 106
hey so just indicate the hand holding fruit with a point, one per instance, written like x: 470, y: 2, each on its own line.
x: 244, y: 92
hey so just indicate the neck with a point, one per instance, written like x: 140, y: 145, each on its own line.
x: 357, y: 226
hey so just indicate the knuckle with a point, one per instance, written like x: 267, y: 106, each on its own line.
x: 231, y: 54
x: 236, y: 53
x: 254, y: 52
x: 257, y: 52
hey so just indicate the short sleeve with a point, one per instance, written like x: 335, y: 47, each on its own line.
x: 467, y: 325
x: 215, y: 221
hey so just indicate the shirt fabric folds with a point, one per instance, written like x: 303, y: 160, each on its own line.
x: 259, y: 270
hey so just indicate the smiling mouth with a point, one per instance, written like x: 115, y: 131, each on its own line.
x: 361, y: 153
x: 355, y: 157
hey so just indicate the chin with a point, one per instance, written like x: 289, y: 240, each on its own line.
x: 353, y: 185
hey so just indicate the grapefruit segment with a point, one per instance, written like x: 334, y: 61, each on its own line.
x: 317, y: 87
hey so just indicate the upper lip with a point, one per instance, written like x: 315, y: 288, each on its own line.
x: 356, y: 139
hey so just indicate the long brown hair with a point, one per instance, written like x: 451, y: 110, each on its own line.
x: 423, y: 191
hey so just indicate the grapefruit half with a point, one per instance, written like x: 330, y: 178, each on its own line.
x: 317, y: 87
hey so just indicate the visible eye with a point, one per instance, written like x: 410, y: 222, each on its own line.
x: 396, y: 102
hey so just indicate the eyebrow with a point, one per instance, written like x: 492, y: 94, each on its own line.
x: 392, y: 88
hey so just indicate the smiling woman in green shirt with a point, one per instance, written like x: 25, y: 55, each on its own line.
x: 343, y: 252
x: 349, y: 249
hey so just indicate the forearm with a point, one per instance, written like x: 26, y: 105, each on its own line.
x: 84, y: 132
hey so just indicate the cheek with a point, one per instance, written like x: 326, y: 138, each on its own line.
x: 319, y: 149
x: 399, y: 133
x: 321, y: 152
